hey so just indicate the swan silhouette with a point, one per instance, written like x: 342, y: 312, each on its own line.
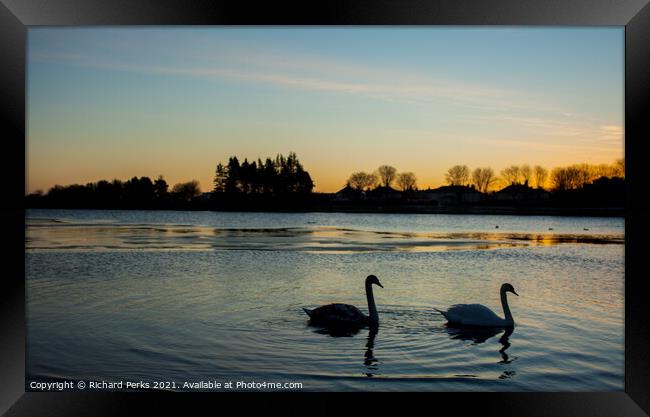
x: 479, y: 315
x: 346, y: 315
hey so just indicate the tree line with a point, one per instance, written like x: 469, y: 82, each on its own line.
x: 137, y: 192
x: 279, y: 176
x: 567, y: 178
x: 235, y: 185
x: 384, y: 176
x: 484, y: 179
x: 282, y: 182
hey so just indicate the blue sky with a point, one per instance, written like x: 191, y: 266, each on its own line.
x: 118, y: 102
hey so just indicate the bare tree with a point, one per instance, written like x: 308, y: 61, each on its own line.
x: 386, y: 174
x: 585, y: 173
x: 577, y: 175
x: 483, y: 178
x: 186, y: 191
x: 406, y: 181
x: 511, y: 175
x: 458, y: 175
x: 560, y: 179
x: 540, y: 175
x: 362, y: 180
x: 602, y: 170
x: 526, y: 173
x: 568, y: 178
x: 619, y: 168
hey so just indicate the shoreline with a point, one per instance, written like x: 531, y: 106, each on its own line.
x: 415, y: 209
x: 492, y: 210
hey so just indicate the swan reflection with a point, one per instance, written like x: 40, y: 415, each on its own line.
x: 370, y: 361
x: 474, y: 334
x: 338, y: 331
x: 481, y: 335
x: 505, y: 342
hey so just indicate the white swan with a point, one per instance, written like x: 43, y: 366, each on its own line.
x: 479, y: 315
x: 346, y: 314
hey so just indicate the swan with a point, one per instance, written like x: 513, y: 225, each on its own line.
x: 479, y: 315
x: 346, y: 314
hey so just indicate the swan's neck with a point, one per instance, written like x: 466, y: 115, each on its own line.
x: 372, y: 309
x: 506, y: 308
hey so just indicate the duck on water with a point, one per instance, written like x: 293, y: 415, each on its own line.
x: 346, y: 315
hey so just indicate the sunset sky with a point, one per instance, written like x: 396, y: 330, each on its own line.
x: 108, y: 103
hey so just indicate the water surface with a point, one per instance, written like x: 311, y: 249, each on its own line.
x: 191, y: 296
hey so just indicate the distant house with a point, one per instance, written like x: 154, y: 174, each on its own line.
x: 602, y: 192
x: 451, y: 195
x: 605, y: 184
x: 384, y: 194
x: 348, y: 193
x: 521, y: 192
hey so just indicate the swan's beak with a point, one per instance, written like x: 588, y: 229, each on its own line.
x: 379, y: 283
x: 515, y: 293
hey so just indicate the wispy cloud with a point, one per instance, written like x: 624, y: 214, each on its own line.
x: 612, y: 134
x: 500, y: 107
x: 317, y: 74
x: 580, y: 131
x: 531, y: 143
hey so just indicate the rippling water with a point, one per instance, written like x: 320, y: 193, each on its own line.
x: 198, y: 296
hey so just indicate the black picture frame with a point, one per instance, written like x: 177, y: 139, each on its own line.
x: 17, y: 15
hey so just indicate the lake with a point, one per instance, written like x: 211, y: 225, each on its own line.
x: 213, y: 296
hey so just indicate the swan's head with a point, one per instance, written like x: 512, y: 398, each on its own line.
x: 508, y: 288
x: 373, y: 280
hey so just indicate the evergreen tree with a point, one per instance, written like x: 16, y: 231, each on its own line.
x: 220, y: 178
x: 282, y: 175
x: 233, y: 183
